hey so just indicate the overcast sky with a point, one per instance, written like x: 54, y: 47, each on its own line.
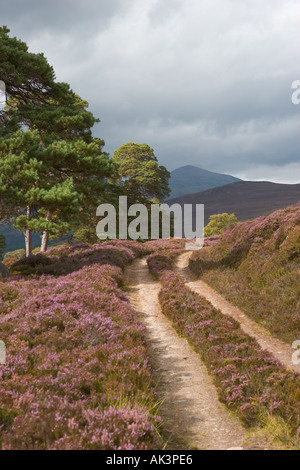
x: 203, y: 82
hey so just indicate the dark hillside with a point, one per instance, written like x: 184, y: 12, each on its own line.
x: 246, y: 199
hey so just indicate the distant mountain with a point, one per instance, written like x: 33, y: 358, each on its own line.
x: 246, y: 199
x: 191, y: 179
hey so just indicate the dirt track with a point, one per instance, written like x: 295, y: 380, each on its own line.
x: 192, y: 412
x: 282, y: 351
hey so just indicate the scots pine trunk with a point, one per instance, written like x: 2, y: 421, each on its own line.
x: 28, y: 236
x: 45, y: 237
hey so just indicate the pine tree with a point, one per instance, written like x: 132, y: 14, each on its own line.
x: 54, y: 173
x: 142, y: 177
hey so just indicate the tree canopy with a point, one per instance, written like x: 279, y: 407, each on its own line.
x: 218, y: 223
x: 52, y: 170
x: 28, y: 77
x: 138, y: 170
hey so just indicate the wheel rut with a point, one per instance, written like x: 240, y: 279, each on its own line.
x: 280, y: 350
x: 191, y: 411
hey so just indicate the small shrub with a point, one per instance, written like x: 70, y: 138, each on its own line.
x: 78, y: 374
x: 218, y: 223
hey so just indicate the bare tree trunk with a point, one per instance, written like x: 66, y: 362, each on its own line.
x: 28, y: 236
x: 45, y: 237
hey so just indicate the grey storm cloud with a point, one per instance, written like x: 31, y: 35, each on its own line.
x: 204, y: 82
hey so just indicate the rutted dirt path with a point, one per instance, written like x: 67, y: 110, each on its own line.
x: 282, y: 351
x: 191, y: 409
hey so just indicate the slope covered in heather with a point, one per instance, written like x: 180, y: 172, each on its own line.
x: 77, y: 374
x: 257, y: 266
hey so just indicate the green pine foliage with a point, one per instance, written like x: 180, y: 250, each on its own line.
x: 53, y: 173
x: 28, y: 77
x: 138, y: 169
